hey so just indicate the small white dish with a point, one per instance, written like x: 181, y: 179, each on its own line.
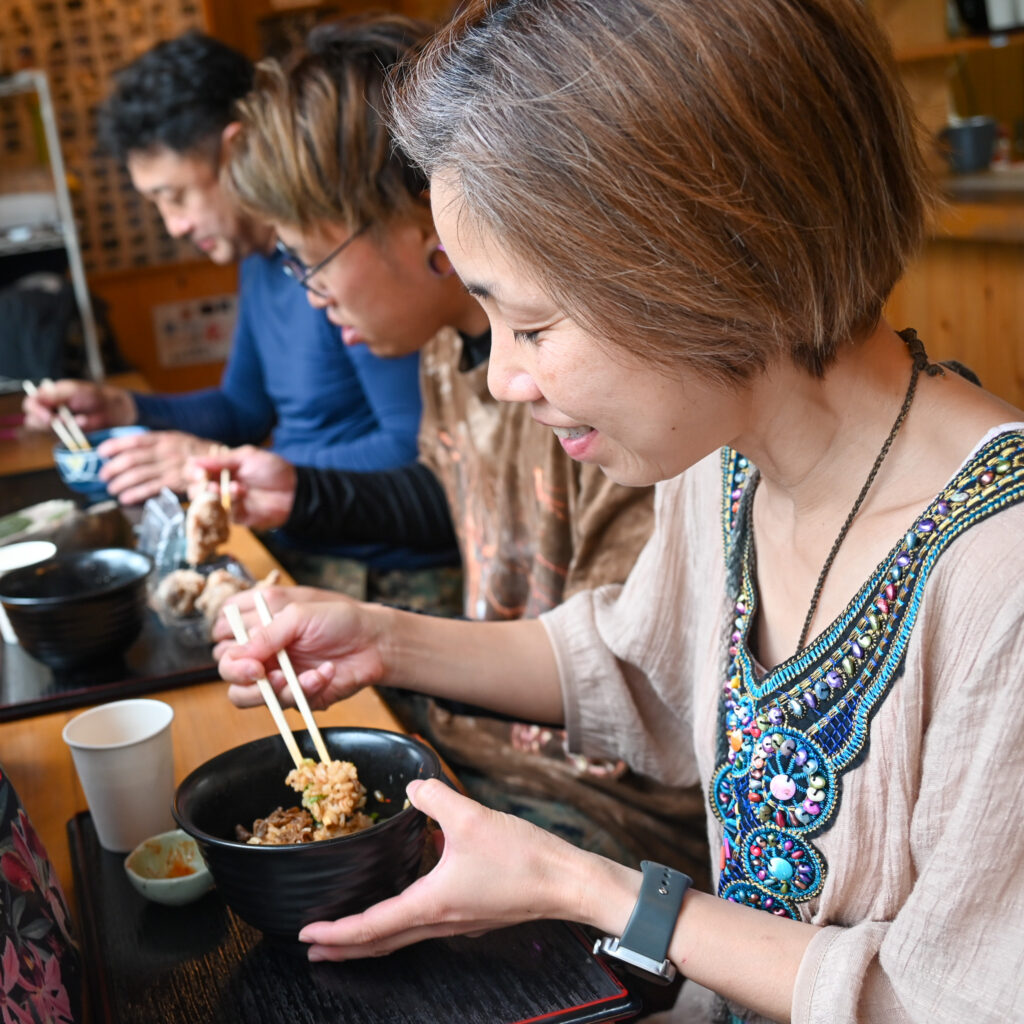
x: 168, y: 868
x: 27, y: 552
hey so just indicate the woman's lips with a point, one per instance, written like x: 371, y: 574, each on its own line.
x: 575, y: 441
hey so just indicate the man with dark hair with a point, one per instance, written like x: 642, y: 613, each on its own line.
x: 179, y: 96
x: 167, y: 119
x: 170, y: 118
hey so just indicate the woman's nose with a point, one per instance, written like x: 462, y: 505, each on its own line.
x: 509, y: 378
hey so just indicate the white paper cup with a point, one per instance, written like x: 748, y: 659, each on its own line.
x: 125, y: 762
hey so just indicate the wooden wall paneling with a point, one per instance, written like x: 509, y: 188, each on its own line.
x: 131, y: 296
x: 247, y: 24
x: 911, y: 23
x: 927, y: 83
x: 991, y: 83
x: 79, y: 44
x: 966, y: 300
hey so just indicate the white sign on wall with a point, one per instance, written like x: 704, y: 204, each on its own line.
x: 194, y: 331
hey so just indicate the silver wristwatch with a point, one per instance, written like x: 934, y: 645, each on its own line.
x: 644, y: 944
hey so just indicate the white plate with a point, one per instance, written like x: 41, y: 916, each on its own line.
x: 14, y: 556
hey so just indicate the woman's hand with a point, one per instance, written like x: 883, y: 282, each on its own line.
x: 335, y: 645
x: 495, y: 870
x: 262, y: 484
x: 275, y: 598
x: 338, y: 645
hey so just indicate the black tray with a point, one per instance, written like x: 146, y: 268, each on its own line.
x: 150, y: 964
x: 156, y: 661
x: 165, y: 655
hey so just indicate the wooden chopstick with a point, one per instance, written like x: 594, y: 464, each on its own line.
x: 293, y: 682
x: 71, y: 423
x: 266, y: 690
x: 225, y: 489
x: 59, y: 429
x: 73, y: 428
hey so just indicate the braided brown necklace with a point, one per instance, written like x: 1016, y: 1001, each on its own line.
x: 920, y: 362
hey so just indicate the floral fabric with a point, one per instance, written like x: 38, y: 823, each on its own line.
x: 40, y: 967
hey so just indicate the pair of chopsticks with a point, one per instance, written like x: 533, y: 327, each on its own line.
x: 65, y: 426
x: 267, y: 691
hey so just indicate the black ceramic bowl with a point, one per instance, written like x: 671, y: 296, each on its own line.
x: 280, y: 889
x: 80, y: 608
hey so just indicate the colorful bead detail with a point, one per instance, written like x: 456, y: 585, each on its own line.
x: 786, y: 739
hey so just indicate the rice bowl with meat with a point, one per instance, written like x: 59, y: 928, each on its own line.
x: 332, y: 796
x: 279, y: 888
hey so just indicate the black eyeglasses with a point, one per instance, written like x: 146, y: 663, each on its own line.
x: 296, y: 269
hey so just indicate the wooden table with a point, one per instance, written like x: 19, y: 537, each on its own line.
x: 31, y: 450
x: 39, y: 764
x: 205, y: 723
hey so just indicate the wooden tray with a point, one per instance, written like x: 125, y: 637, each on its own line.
x: 150, y: 964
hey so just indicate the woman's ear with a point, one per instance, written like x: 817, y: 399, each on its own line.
x: 437, y: 259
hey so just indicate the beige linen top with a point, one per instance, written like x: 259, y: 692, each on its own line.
x: 922, y: 911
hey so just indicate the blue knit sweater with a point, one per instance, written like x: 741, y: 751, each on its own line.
x: 290, y: 379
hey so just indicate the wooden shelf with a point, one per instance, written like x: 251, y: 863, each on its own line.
x: 955, y: 47
x: 1004, y: 186
x: 983, y: 207
x: 17, y: 241
x: 25, y: 179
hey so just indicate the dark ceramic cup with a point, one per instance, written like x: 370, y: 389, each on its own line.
x: 280, y: 889
x: 969, y: 145
x: 78, y: 609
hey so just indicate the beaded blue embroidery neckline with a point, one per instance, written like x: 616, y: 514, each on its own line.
x: 786, y: 739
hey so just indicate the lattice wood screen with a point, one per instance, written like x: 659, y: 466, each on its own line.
x: 79, y: 43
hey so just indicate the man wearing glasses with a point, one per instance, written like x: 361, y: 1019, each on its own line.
x: 289, y: 380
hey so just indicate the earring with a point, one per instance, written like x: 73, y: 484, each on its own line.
x: 445, y: 270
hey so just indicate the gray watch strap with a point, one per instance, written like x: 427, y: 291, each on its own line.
x: 650, y: 926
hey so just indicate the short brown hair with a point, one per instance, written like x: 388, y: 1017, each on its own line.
x: 314, y: 144
x: 717, y: 183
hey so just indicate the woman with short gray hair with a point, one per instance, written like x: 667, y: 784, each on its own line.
x: 683, y: 219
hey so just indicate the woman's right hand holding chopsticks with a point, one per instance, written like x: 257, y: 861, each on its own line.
x: 332, y: 641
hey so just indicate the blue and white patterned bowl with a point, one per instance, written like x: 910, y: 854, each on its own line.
x: 81, y: 470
